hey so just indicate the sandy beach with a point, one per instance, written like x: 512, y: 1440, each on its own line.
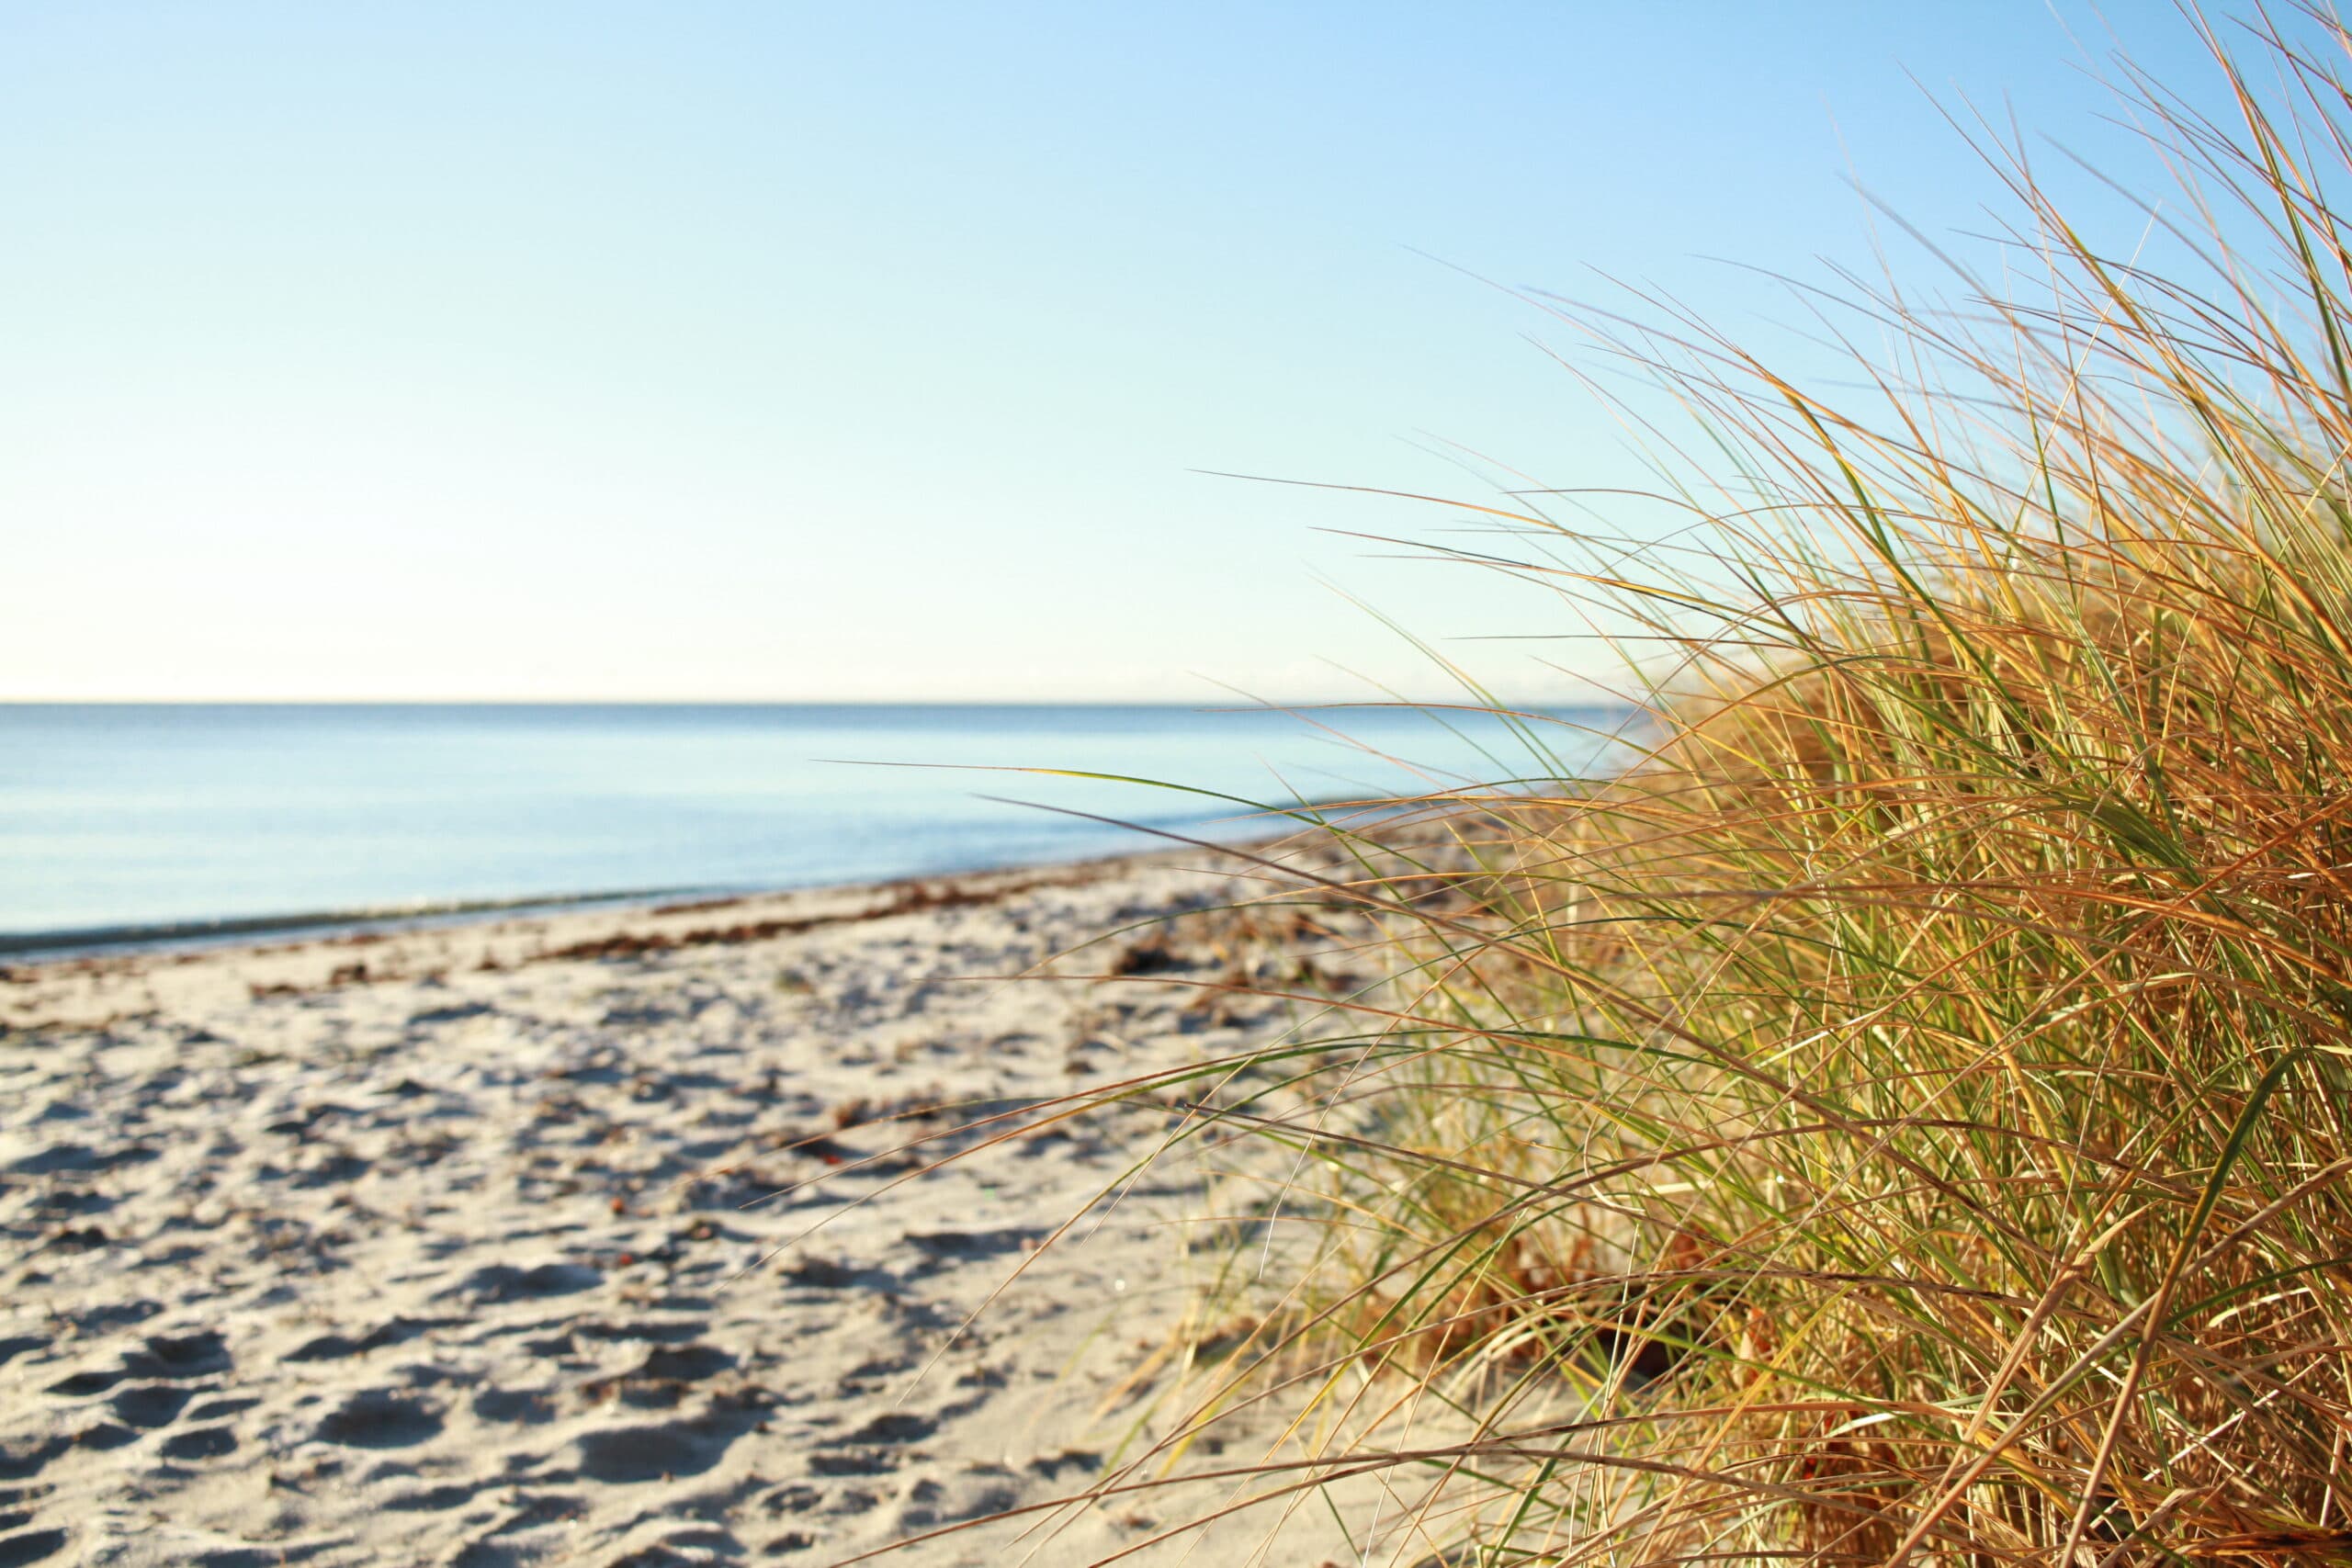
x: 503, y: 1243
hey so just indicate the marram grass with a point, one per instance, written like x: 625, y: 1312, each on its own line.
x: 1907, y: 1116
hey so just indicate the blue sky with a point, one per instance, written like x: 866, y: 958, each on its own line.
x: 870, y: 350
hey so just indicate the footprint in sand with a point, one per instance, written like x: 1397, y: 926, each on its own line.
x: 506, y: 1282
x: 661, y: 1451
x: 182, y: 1356
x: 379, y: 1418
x: 80, y: 1159
x: 519, y: 1406
x: 947, y: 1249
x: 23, y: 1464
x: 798, y: 1498
x: 163, y: 1357
x: 895, y: 1427
x: 336, y: 1347
x: 684, y: 1363
x: 221, y: 1409
x: 104, y: 1437
x: 31, y: 1546
x: 148, y: 1405
x: 200, y: 1443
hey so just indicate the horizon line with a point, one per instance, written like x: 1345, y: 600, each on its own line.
x: 1236, y: 701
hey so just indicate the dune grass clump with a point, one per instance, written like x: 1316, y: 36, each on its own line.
x: 1908, y: 1115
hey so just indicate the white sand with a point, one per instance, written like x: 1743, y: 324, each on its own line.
x: 432, y: 1265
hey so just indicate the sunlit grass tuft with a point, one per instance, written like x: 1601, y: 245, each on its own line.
x: 1907, y: 1116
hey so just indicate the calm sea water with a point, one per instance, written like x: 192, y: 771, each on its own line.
x: 138, y: 819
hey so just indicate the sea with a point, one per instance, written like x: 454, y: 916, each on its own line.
x: 133, y: 823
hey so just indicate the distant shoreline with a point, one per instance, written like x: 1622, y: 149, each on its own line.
x: 200, y: 935
x: 197, y: 936
x: 131, y: 828
x: 165, y: 935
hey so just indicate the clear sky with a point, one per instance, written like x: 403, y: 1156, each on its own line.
x: 869, y: 350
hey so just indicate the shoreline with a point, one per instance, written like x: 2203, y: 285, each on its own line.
x: 171, y: 936
x: 28, y: 946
